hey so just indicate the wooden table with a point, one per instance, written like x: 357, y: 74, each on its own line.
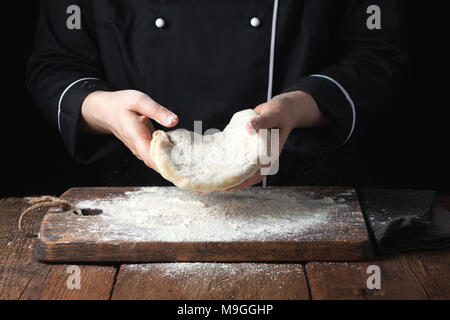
x: 416, y: 275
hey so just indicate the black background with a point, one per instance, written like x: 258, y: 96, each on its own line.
x: 408, y: 150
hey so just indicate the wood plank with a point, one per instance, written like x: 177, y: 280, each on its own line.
x: 65, y: 237
x: 211, y: 281
x: 433, y: 273
x: 96, y: 283
x: 18, y: 266
x: 22, y: 276
x: 424, y: 275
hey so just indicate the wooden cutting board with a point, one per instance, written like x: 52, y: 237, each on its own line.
x: 288, y: 224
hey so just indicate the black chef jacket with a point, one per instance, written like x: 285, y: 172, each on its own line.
x: 207, y: 59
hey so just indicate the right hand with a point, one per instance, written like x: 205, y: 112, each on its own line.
x: 126, y: 115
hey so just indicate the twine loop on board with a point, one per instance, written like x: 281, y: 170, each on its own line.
x: 45, y: 203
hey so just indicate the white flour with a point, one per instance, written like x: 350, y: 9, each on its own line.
x: 236, y: 271
x: 175, y: 215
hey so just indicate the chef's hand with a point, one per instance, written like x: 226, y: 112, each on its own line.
x: 126, y: 115
x: 285, y: 112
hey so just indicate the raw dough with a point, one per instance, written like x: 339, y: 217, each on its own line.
x: 212, y: 162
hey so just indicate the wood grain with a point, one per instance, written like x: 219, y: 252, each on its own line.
x: 22, y: 276
x: 417, y: 275
x: 432, y: 271
x: 96, y: 283
x: 63, y: 238
x: 18, y: 266
x: 421, y: 275
x: 211, y: 281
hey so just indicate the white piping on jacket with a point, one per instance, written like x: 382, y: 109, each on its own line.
x: 347, y: 96
x: 272, y: 60
x: 62, y: 96
x: 272, y: 49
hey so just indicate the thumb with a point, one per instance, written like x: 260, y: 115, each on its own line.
x: 148, y: 107
x: 265, y: 120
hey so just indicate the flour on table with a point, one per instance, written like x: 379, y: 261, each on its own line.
x: 175, y: 215
x: 213, y: 270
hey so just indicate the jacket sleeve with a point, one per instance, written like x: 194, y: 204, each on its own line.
x: 369, y: 69
x: 64, y: 68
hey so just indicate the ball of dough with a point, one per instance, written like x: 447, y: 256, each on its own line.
x: 212, y: 162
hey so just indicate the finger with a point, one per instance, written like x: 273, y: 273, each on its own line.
x: 142, y: 147
x: 264, y: 120
x: 245, y: 184
x: 260, y: 108
x: 148, y: 107
x: 255, y: 179
x: 141, y: 141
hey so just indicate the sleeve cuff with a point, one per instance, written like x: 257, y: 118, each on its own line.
x: 333, y: 101
x: 69, y: 111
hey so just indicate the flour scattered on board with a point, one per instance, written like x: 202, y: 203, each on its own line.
x: 175, y: 215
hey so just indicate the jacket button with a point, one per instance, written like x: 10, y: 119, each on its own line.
x: 255, y: 22
x: 160, y: 23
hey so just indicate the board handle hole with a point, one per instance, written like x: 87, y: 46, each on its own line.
x: 91, y: 212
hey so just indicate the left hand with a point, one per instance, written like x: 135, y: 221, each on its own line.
x: 285, y: 112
